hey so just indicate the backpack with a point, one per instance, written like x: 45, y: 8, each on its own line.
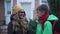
x: 56, y: 25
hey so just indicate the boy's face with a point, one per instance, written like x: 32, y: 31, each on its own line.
x: 40, y: 13
x: 14, y: 22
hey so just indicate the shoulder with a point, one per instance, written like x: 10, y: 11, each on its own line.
x: 48, y: 24
x: 10, y: 24
x: 32, y: 23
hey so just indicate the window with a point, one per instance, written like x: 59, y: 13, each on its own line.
x: 44, y: 1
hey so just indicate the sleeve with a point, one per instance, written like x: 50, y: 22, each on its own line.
x: 32, y: 27
x: 47, y: 28
x: 10, y: 29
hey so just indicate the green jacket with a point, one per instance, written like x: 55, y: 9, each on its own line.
x: 36, y: 27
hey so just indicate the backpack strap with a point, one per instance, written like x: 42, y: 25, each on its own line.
x: 54, y: 24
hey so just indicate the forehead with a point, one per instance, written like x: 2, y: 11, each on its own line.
x: 21, y: 11
x: 40, y: 11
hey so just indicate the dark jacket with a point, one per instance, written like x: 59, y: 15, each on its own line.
x: 10, y: 29
x: 17, y: 27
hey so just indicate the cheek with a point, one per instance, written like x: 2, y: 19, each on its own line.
x: 39, y: 14
x: 21, y: 14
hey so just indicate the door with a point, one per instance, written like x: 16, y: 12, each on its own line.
x: 27, y: 7
x: 7, y: 10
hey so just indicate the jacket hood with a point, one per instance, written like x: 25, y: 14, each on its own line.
x: 52, y: 17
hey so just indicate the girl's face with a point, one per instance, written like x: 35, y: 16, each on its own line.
x: 21, y: 14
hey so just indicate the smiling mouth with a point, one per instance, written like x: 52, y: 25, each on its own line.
x: 21, y: 15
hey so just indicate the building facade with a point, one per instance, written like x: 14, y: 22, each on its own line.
x: 6, y: 10
x: 28, y: 5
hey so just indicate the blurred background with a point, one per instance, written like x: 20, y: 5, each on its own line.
x: 28, y: 5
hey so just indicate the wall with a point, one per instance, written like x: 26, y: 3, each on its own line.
x: 2, y: 12
x: 28, y: 1
x: 35, y: 12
